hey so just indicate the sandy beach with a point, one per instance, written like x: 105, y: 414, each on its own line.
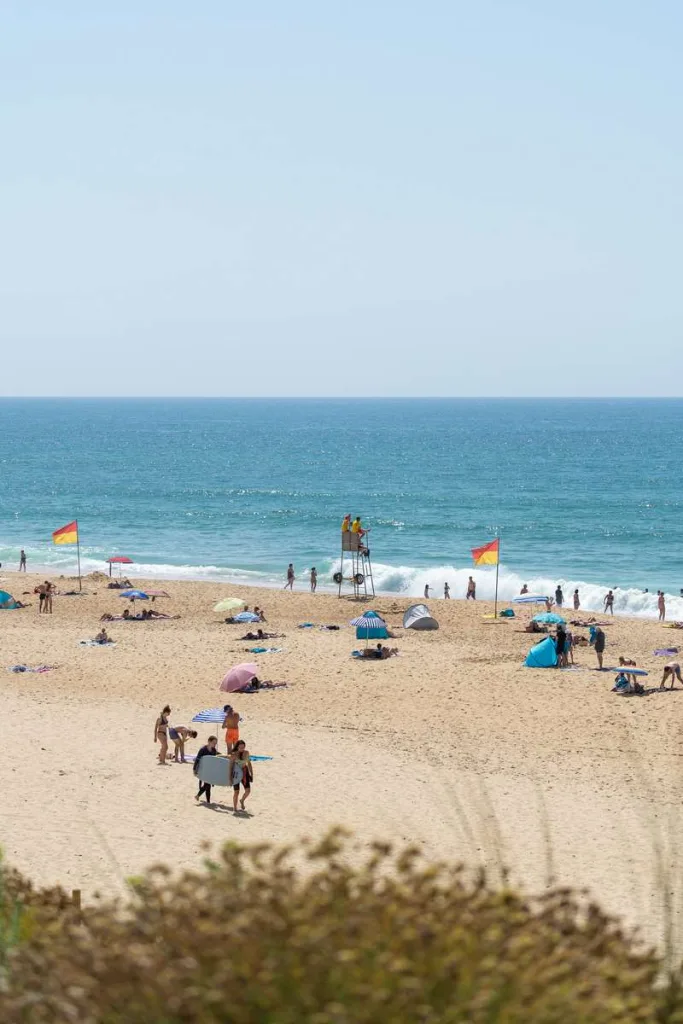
x: 454, y: 745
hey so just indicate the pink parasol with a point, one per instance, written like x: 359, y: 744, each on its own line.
x: 238, y: 678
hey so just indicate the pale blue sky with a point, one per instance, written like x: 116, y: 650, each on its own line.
x: 308, y: 198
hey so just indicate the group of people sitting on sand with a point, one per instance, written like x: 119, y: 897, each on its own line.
x: 379, y: 652
x: 142, y: 616
x: 235, y: 619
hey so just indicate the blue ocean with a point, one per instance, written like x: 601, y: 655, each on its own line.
x: 582, y: 492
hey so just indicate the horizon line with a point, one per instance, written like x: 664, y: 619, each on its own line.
x: 349, y: 398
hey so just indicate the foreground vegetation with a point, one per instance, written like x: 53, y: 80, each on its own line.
x: 254, y: 938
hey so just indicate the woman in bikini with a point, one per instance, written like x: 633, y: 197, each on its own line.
x: 242, y: 773
x: 161, y: 733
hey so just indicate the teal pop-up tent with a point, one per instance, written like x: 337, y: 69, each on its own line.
x: 543, y: 655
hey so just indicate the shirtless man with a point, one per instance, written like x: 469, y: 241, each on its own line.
x: 231, y: 724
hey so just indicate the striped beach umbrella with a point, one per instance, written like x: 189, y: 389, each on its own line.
x: 215, y: 715
x: 369, y: 621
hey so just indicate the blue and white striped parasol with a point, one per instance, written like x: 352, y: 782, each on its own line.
x: 368, y: 621
x: 210, y: 715
x: 530, y: 599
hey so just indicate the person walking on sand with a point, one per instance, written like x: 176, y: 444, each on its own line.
x: 161, y: 733
x: 471, y: 590
x: 661, y: 604
x: 231, y: 724
x: 673, y: 670
x: 597, y: 641
x: 446, y: 592
x: 559, y: 596
x: 314, y: 580
x: 609, y: 603
x: 49, y: 591
x: 208, y: 750
x: 426, y: 591
x: 242, y: 774
x: 577, y: 601
x: 290, y: 577
x: 22, y: 561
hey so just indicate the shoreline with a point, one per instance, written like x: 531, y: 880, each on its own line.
x: 303, y: 587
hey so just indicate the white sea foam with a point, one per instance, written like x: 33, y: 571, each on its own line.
x: 408, y: 581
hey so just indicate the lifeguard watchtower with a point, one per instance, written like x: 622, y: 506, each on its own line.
x: 356, y: 568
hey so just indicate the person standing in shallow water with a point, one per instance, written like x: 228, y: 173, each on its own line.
x: 559, y: 596
x: 314, y: 580
x: 446, y: 592
x: 22, y: 561
x: 609, y: 603
x: 577, y: 602
x: 471, y: 590
x: 290, y: 578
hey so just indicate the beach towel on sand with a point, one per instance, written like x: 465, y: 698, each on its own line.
x: 265, y: 650
x: 666, y: 651
x: 27, y: 668
x: 97, y: 643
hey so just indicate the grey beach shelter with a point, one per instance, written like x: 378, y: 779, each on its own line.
x: 419, y: 617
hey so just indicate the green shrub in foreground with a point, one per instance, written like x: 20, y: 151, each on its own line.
x: 252, y: 938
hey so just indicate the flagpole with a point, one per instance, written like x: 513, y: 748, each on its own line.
x: 78, y: 552
x: 495, y: 605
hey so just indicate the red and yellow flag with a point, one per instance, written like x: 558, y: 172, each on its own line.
x: 67, y: 534
x: 486, y: 555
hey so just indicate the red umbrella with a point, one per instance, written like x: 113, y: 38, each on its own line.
x: 119, y: 560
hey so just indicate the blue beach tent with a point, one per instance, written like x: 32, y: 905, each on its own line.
x: 543, y: 655
x: 7, y: 602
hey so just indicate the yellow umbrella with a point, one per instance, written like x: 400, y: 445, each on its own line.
x: 230, y: 604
